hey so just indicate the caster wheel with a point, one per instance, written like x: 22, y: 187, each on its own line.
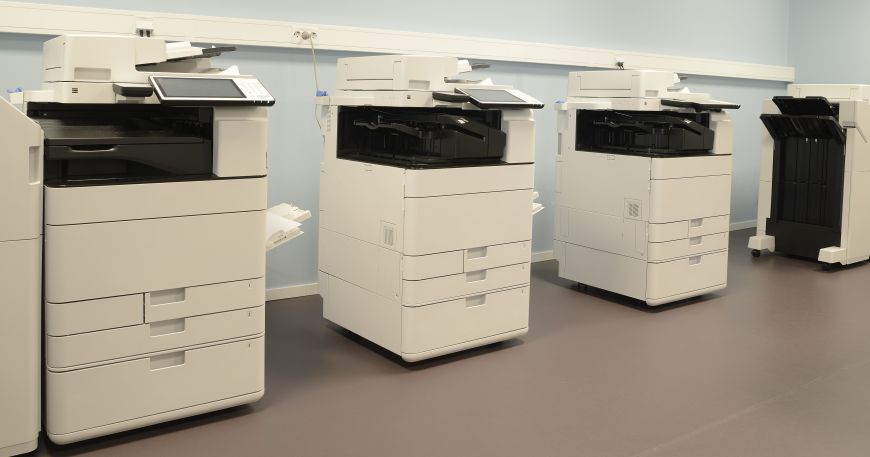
x: 827, y: 266
x: 756, y: 253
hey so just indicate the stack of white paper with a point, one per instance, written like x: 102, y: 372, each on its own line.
x: 283, y: 223
x: 181, y: 49
x: 536, y: 207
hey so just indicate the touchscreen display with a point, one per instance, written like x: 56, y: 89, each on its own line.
x: 198, y: 88
x: 493, y: 96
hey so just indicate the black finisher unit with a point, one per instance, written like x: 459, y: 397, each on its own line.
x: 646, y: 133
x: 420, y: 137
x: 808, y: 166
x: 88, y: 145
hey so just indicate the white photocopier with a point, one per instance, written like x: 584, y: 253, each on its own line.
x: 814, y: 189
x: 20, y: 280
x: 426, y: 198
x: 643, y: 186
x: 153, y: 167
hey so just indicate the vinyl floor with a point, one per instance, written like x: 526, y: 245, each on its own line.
x: 778, y: 364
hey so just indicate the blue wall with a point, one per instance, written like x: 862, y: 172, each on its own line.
x: 703, y: 29
x: 828, y: 41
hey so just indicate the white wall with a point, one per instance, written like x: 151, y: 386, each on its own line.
x: 703, y: 29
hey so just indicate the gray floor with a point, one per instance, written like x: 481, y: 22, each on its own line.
x: 778, y: 364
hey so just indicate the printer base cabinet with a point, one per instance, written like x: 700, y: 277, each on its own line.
x: 20, y: 286
x: 121, y: 396
x: 421, y: 332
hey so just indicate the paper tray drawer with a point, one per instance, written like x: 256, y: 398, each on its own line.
x: 673, y: 200
x: 86, y: 348
x: 659, y: 233
x: 90, y: 261
x: 496, y: 256
x: 689, y: 167
x: 415, y: 293
x: 108, y: 394
x: 468, y: 180
x: 667, y: 279
x: 93, y: 315
x: 456, y: 222
x: 425, y: 328
x: 89, y: 204
x: 659, y: 252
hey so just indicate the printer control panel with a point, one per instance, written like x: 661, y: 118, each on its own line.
x: 206, y: 91
x: 254, y: 90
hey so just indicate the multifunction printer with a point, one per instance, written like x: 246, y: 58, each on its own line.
x: 814, y: 186
x: 643, y: 186
x: 426, y: 198
x: 153, y: 168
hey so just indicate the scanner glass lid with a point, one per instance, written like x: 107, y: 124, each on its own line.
x: 493, y: 96
x: 498, y: 98
x: 199, y: 88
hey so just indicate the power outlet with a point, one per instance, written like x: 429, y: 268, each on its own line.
x: 304, y: 35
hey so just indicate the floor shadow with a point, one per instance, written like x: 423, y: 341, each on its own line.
x: 122, y: 438
x: 428, y: 363
x: 639, y: 305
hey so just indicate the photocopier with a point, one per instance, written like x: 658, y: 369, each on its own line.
x: 426, y: 201
x: 643, y: 186
x: 134, y: 186
x: 814, y: 185
x: 20, y: 280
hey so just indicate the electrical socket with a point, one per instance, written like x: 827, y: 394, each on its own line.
x: 304, y: 35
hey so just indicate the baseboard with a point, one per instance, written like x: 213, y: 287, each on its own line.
x: 301, y: 290
x: 543, y: 256
x: 743, y: 225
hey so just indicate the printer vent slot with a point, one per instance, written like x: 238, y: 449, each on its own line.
x: 420, y: 137
x: 656, y: 133
x: 388, y: 234
x: 632, y: 209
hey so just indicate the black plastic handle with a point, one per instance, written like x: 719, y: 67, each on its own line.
x: 133, y: 91
x: 451, y: 97
x: 699, y: 106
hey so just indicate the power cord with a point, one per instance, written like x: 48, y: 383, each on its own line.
x: 308, y: 36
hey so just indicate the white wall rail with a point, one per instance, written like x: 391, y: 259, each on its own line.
x: 47, y: 19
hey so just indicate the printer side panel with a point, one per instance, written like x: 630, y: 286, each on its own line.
x: 240, y: 138
x: 856, y: 203
x: 519, y: 125
x: 20, y: 280
x: 20, y: 175
x: 765, y: 179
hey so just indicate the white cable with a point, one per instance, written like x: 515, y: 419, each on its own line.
x: 310, y: 38
x: 314, y: 61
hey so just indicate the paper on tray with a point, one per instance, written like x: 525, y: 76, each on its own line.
x: 283, y: 223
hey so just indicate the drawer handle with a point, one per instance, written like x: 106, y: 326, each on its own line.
x: 35, y: 171
x: 696, y: 223
x: 477, y: 253
x: 695, y: 241
x: 160, y: 362
x: 167, y: 327
x: 165, y: 297
x: 475, y: 276
x: 475, y: 301
x: 694, y: 260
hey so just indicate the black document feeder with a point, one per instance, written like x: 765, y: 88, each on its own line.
x: 645, y: 133
x: 87, y: 145
x: 808, y: 168
x: 421, y: 137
